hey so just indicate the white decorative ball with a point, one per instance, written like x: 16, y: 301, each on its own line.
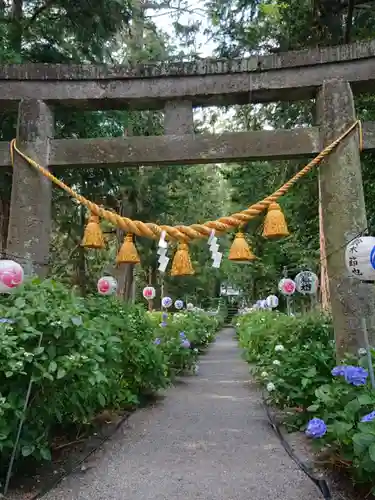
x: 11, y: 276
x: 179, y: 304
x: 272, y: 301
x: 149, y: 293
x: 107, y: 285
x: 166, y: 302
x: 287, y: 286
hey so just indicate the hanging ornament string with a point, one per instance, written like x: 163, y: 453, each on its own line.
x: 183, y: 233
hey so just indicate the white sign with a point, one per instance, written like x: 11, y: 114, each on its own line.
x: 360, y: 258
x: 306, y: 283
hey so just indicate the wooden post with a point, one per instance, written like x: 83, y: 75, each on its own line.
x: 30, y: 207
x: 344, y: 213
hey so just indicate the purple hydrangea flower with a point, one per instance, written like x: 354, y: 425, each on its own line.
x: 185, y: 343
x: 157, y: 341
x: 163, y: 324
x: 316, y: 428
x: 368, y: 418
x: 356, y: 375
x: 182, y: 335
x: 164, y: 316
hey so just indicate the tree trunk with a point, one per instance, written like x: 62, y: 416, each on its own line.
x: 16, y: 26
x: 4, y: 222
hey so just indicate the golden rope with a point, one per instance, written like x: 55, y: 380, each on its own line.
x: 194, y: 231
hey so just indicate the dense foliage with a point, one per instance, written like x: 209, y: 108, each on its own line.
x: 83, y: 355
x: 293, y: 358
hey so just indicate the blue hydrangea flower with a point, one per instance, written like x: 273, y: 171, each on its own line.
x: 368, y: 418
x: 185, y: 343
x: 182, y: 335
x: 164, y: 316
x: 163, y: 324
x: 316, y: 428
x: 157, y: 341
x: 356, y: 375
x: 338, y: 371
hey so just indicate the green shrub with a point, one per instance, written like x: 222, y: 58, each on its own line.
x: 293, y: 358
x: 197, y: 328
x: 84, y: 355
x: 346, y: 413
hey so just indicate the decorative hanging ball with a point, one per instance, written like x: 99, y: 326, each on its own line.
x: 306, y: 283
x: 272, y: 301
x: 11, y: 276
x: 179, y: 304
x: 149, y: 292
x: 189, y: 306
x: 107, y: 285
x: 360, y: 258
x: 287, y: 286
x: 166, y: 302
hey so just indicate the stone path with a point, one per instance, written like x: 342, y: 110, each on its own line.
x: 208, y: 439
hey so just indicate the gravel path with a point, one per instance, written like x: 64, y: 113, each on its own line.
x: 208, y: 439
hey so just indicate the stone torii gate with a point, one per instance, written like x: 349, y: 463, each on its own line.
x: 329, y: 75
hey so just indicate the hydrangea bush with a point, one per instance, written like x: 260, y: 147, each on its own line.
x: 183, y: 336
x: 293, y: 358
x: 345, y: 410
x: 294, y: 355
x: 85, y: 355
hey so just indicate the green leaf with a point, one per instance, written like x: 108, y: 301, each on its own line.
x: 362, y: 441
x: 313, y: 408
x: 311, y: 372
x: 61, y: 373
x: 52, y: 367
x: 365, y: 399
x: 38, y: 350
x: 77, y: 321
x: 20, y: 303
x: 27, y: 450
x: 45, y: 453
x: 341, y: 428
x: 101, y: 399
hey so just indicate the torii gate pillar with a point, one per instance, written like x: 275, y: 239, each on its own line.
x: 343, y: 213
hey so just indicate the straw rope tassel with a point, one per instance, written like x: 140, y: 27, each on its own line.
x: 128, y: 253
x: 93, y: 236
x: 185, y: 233
x: 275, y: 225
x: 181, y: 265
x: 240, y: 250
